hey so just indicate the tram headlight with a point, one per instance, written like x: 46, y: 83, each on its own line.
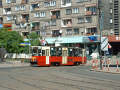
x: 34, y: 59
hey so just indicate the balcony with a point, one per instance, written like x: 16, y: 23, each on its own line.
x: 7, y: 11
x: 24, y: 1
x: 88, y: 13
x: 66, y: 3
x: 35, y: 26
x: 34, y: 7
x: 53, y: 17
x: 91, y: 11
x: 25, y: 18
x: 55, y: 14
x: 67, y: 23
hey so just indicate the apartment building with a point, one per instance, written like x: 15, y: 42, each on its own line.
x: 110, y: 8
x: 1, y: 18
x: 52, y: 18
x: 111, y: 27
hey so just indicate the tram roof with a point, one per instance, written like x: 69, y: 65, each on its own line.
x: 72, y: 39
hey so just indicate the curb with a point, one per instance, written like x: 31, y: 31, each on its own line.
x: 6, y: 65
x: 104, y: 71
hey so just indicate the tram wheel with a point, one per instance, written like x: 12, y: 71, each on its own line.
x: 57, y: 64
x: 77, y: 63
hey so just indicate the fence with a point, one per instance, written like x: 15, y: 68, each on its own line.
x: 13, y: 57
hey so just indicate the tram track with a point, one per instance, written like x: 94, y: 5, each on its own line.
x: 58, y: 76
x: 54, y: 82
x: 99, y: 81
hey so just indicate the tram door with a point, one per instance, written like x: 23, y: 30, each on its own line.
x: 46, y: 53
x: 64, y: 55
x: 83, y: 55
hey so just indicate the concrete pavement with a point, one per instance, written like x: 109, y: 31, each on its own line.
x: 13, y: 64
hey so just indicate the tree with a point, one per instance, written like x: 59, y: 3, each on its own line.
x: 34, y: 39
x: 10, y: 40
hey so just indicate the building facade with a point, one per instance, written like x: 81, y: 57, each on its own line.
x: 111, y: 27
x: 111, y: 8
x: 51, y: 18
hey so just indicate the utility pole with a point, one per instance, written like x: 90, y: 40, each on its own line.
x: 101, y: 18
x: 29, y: 30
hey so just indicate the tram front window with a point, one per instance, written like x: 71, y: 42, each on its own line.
x: 34, y: 51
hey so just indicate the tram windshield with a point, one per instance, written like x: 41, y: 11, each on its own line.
x: 36, y: 51
x: 56, y: 51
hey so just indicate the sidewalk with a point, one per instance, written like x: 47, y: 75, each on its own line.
x: 13, y: 64
x: 111, y: 69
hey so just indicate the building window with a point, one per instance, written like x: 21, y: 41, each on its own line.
x: 43, y: 33
x: 68, y: 11
x: 42, y: 14
x: 64, y: 2
x: 76, y: 31
x: 88, y: 19
x: 8, y: 1
x: 111, y: 11
x: 55, y: 33
x: 37, y: 14
x: 81, y: 20
x: 17, y: 8
x: 22, y: 7
x: 9, y: 18
x: 50, y: 3
x: 53, y: 22
x: 69, y: 31
x: 81, y: 1
x: 110, y: 1
x: 92, y: 30
x: 111, y: 21
x: 46, y: 4
x: 91, y: 10
x: 75, y: 10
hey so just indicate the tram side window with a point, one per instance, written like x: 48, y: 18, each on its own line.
x: 53, y: 51
x: 43, y: 52
x: 70, y: 52
x: 80, y: 52
x: 77, y: 52
x: 58, y: 51
x: 39, y: 52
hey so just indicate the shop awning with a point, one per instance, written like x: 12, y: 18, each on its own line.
x: 73, y: 39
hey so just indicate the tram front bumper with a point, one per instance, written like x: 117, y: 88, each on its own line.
x: 33, y: 62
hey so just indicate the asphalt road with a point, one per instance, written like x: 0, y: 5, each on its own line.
x: 57, y: 78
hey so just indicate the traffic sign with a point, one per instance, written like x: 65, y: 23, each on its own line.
x: 104, y: 43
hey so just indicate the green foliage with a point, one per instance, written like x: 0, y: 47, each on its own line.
x: 10, y: 40
x: 34, y: 39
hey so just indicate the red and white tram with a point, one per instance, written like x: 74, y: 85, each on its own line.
x: 49, y: 56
